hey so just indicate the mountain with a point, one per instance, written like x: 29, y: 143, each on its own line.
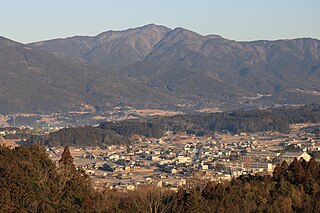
x: 111, y: 49
x: 203, y: 70
x: 157, y: 67
x: 33, y: 80
x: 286, y: 70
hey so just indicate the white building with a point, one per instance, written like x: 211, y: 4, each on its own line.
x: 183, y: 159
x: 290, y: 156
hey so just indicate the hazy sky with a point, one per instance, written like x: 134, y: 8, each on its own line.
x: 34, y: 20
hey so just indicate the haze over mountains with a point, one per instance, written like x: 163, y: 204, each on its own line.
x: 156, y: 67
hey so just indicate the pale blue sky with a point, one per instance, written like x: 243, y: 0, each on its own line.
x: 34, y: 20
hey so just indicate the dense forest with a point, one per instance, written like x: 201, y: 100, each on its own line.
x: 199, y: 124
x: 150, y: 128
x: 33, y: 183
x: 233, y: 122
x: 79, y: 136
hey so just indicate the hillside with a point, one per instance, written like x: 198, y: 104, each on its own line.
x: 204, y: 71
x: 33, y: 80
x: 157, y: 67
x: 111, y: 49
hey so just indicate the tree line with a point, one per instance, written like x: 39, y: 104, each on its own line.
x: 82, y: 136
x: 234, y: 122
x: 120, y: 132
x: 31, y: 182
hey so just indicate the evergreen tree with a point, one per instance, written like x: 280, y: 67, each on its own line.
x: 297, y: 171
x: 66, y: 162
x: 313, y: 168
x: 280, y: 171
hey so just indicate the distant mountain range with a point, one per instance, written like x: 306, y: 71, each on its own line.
x: 33, y: 80
x: 156, y: 67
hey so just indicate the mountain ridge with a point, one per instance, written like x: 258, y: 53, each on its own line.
x: 33, y: 80
x: 155, y: 66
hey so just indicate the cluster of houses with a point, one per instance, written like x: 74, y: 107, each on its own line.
x: 7, y: 131
x: 176, y: 159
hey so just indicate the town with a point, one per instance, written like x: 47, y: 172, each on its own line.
x: 178, y: 159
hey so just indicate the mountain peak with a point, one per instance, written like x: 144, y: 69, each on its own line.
x: 153, y: 26
x: 145, y: 28
x: 110, y: 49
x: 159, y: 67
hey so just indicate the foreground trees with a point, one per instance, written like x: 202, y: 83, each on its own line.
x: 31, y: 182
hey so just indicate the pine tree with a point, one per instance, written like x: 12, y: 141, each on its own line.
x: 303, y: 163
x: 280, y: 171
x: 313, y: 168
x: 296, y: 173
x: 66, y: 160
x: 277, y: 173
